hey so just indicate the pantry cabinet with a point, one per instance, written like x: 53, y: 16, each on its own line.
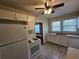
x: 31, y: 22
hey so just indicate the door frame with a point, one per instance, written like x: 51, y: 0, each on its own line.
x: 41, y: 24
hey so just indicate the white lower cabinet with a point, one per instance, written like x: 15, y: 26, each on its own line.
x: 53, y: 38
x: 49, y: 38
x: 14, y: 51
x: 64, y: 41
x: 58, y: 39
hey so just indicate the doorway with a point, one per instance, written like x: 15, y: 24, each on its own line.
x: 39, y: 31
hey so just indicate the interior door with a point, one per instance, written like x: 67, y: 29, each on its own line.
x: 39, y: 31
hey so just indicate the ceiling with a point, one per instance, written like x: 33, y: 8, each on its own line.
x: 30, y: 5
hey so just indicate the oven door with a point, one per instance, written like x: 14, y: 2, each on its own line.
x: 35, y: 49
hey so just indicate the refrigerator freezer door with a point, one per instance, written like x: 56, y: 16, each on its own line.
x: 12, y: 32
x: 17, y: 50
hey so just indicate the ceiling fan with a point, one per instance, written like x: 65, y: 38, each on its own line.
x: 49, y: 7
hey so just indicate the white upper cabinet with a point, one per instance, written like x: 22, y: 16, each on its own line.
x: 31, y: 22
x: 5, y: 14
x: 21, y: 17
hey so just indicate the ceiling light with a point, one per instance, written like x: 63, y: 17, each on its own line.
x: 49, y: 11
x: 45, y: 12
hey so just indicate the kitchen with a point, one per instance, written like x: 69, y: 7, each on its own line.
x: 20, y: 39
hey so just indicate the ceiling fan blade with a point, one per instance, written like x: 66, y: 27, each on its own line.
x: 46, y: 5
x: 58, y: 5
x: 39, y: 8
x: 42, y: 13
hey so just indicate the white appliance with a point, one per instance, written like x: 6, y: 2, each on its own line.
x: 13, y: 41
x: 34, y: 48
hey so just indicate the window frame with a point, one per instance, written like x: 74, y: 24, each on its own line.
x: 69, y: 25
x: 56, y: 26
x: 61, y: 26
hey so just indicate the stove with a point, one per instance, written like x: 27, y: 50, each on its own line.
x: 34, y: 48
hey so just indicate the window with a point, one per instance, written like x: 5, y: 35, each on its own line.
x: 78, y: 23
x: 37, y: 28
x: 69, y: 25
x: 56, y: 26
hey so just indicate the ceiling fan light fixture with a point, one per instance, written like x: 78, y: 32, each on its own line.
x: 49, y: 11
x: 50, y: 7
x: 45, y: 12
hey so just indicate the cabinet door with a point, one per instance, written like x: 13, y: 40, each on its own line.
x: 17, y: 50
x: 4, y: 14
x: 21, y: 17
x: 56, y: 39
x: 53, y: 39
x: 31, y: 22
x: 48, y: 38
x: 64, y: 41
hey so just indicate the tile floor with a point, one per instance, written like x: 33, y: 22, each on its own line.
x: 53, y: 51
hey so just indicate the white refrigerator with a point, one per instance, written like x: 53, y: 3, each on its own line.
x: 13, y: 41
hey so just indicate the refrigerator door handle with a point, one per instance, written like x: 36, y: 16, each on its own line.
x: 13, y: 42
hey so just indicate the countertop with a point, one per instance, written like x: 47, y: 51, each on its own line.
x: 75, y: 36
